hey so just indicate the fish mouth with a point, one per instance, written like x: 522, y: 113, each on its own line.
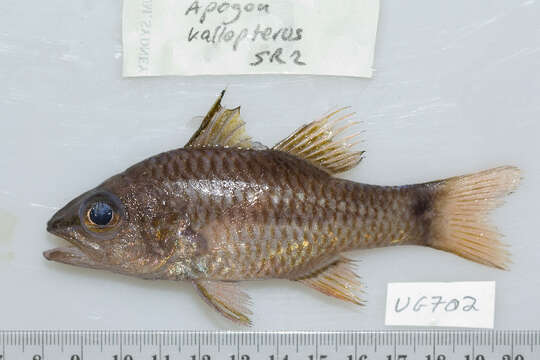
x: 70, y: 254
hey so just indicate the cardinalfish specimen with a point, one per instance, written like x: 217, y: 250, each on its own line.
x: 225, y: 209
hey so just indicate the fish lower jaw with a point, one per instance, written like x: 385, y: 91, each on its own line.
x: 71, y: 255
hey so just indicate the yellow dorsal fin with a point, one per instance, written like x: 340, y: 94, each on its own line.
x: 221, y: 127
x: 316, y: 142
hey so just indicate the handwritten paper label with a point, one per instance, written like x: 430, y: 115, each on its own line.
x: 454, y: 304
x: 198, y: 37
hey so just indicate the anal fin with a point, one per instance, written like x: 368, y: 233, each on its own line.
x: 227, y: 298
x: 337, y: 279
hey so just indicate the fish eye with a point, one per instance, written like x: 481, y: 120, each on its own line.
x: 100, y: 213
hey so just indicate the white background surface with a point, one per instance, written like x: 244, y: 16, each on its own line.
x: 456, y: 90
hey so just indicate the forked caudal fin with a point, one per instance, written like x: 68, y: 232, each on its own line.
x: 461, y: 207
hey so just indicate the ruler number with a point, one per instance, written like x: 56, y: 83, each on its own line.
x: 286, y: 357
x: 398, y: 357
x: 361, y: 357
x: 438, y: 357
x: 204, y: 357
x: 477, y: 357
x: 505, y: 357
x: 166, y: 357
x: 126, y: 357
x: 242, y: 357
x: 321, y: 357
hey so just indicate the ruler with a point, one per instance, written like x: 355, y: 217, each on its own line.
x: 346, y: 345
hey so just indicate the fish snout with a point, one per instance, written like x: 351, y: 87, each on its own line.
x: 64, y: 219
x: 57, y: 224
x: 53, y: 224
x: 63, y: 226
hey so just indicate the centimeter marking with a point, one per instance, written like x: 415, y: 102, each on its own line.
x: 296, y: 345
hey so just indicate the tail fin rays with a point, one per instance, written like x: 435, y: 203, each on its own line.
x: 462, y: 205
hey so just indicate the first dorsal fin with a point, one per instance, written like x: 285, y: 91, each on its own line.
x: 221, y: 127
x: 316, y: 142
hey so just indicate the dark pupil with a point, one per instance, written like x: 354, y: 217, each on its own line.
x: 101, y: 213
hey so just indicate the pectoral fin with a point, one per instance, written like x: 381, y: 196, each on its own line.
x: 337, y: 279
x: 227, y: 298
x: 222, y: 127
x: 317, y: 143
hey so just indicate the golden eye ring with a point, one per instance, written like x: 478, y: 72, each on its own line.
x: 101, y: 216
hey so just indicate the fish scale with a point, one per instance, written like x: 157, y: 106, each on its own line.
x: 316, y: 213
x: 381, y: 225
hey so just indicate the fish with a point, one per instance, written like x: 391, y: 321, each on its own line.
x: 225, y: 209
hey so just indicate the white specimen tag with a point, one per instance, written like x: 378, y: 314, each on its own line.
x: 200, y: 37
x: 453, y: 304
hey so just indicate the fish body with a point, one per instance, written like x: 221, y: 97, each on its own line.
x: 262, y: 214
x: 224, y: 209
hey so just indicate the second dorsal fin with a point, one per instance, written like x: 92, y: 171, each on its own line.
x: 316, y: 142
x: 221, y: 127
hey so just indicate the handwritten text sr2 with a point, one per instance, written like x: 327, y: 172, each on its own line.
x: 226, y: 28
